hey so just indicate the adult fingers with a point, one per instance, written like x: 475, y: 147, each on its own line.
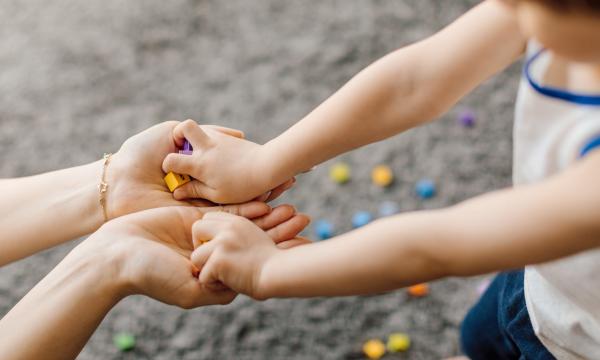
x: 288, y: 244
x: 249, y: 210
x: 289, y: 229
x: 275, y: 193
x: 277, y: 216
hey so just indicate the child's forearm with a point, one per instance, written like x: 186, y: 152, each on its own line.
x: 385, y: 255
x: 42, y: 211
x: 502, y: 230
x: 404, y: 89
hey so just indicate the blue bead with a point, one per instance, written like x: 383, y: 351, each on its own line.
x: 388, y: 208
x: 324, y: 229
x: 361, y: 218
x: 425, y: 189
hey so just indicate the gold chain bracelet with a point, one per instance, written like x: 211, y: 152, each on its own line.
x: 103, y: 186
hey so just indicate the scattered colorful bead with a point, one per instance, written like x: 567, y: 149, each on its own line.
x: 425, y: 189
x: 419, y: 290
x: 467, y: 118
x: 361, y: 218
x: 398, y: 342
x: 124, y: 341
x: 374, y: 349
x: 382, y: 175
x: 388, y: 208
x: 340, y: 173
x: 324, y: 229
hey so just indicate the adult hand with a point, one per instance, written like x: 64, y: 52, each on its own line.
x: 152, y: 254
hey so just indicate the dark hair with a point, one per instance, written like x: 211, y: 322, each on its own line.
x: 581, y: 5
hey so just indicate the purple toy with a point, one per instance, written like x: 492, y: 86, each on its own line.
x: 187, y: 148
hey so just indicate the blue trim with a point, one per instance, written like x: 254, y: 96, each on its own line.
x: 582, y: 99
x: 593, y: 144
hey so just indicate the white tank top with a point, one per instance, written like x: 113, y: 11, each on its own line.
x: 553, y: 129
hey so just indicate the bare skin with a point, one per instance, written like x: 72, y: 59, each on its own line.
x: 501, y: 230
x: 139, y: 251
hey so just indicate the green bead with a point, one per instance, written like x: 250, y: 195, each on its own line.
x: 124, y: 341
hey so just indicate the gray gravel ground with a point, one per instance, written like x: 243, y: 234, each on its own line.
x: 79, y: 77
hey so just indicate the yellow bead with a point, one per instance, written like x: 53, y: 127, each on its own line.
x: 419, y: 290
x: 382, y: 175
x: 398, y: 342
x: 174, y: 180
x: 374, y: 349
x: 340, y: 173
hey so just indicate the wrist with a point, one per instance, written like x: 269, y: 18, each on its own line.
x: 275, y: 166
x: 100, y: 266
x: 266, y: 286
x: 84, y: 197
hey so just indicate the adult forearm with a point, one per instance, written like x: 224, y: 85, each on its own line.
x: 42, y: 211
x: 57, y: 317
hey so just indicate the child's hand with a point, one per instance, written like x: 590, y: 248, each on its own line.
x: 134, y: 174
x: 226, y: 169
x: 232, y: 251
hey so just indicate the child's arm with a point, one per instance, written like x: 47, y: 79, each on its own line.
x: 406, y: 88
x: 502, y: 230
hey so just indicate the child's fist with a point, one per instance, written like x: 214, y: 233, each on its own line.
x: 226, y: 169
x: 231, y: 251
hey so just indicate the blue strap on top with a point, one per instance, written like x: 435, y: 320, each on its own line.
x: 581, y: 99
x: 593, y: 144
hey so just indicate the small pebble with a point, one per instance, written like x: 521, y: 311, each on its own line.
x: 340, y: 173
x: 425, y: 189
x: 419, y: 290
x: 124, y: 341
x: 398, y: 342
x: 324, y: 229
x: 374, y: 349
x: 388, y: 208
x: 361, y: 218
x: 382, y: 175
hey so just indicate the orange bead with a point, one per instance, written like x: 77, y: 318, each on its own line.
x: 419, y: 290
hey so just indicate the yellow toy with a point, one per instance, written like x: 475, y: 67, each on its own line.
x: 340, y: 173
x: 398, y: 342
x: 374, y: 349
x: 174, y: 180
x: 382, y: 175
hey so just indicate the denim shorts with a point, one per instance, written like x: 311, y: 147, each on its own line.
x: 498, y: 326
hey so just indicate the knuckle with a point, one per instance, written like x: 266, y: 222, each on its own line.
x: 196, y: 227
x: 189, y: 124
